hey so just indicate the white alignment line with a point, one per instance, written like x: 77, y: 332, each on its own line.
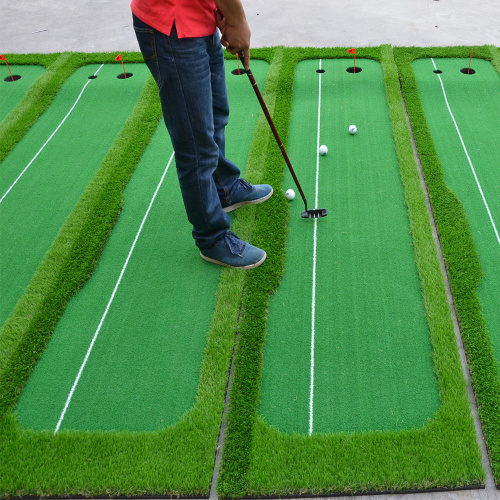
x: 75, y: 383
x: 313, y: 311
x: 468, y: 157
x: 48, y: 140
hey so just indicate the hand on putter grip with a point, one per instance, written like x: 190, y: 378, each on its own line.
x: 235, y: 34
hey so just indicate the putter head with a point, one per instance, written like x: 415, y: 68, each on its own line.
x: 314, y: 213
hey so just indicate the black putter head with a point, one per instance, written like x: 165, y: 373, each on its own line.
x: 314, y: 213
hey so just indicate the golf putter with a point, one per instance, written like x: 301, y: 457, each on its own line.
x: 313, y: 213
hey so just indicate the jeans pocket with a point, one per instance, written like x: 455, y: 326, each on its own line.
x: 147, y: 44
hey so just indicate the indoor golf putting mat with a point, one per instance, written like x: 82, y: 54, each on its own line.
x: 46, y: 173
x: 462, y: 111
x: 147, y: 323
x: 346, y: 375
x: 11, y: 92
x: 348, y: 347
x: 361, y: 386
x: 160, y: 312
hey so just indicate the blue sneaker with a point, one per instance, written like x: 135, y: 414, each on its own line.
x: 249, y: 194
x: 232, y: 252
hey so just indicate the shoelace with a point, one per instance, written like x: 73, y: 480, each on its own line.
x: 235, y: 245
x: 246, y: 184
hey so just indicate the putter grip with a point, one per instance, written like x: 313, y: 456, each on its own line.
x: 242, y: 58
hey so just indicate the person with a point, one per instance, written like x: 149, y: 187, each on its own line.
x: 181, y: 45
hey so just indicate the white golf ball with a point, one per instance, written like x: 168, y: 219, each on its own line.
x: 353, y: 129
x: 290, y: 194
x: 323, y: 150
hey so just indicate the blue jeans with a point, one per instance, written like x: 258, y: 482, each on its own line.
x: 191, y: 81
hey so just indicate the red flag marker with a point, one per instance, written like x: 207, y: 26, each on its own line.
x: 353, y: 52
x: 120, y: 58
x: 238, y: 60
x: 470, y: 60
x: 2, y: 57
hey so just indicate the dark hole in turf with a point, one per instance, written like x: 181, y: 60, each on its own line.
x: 9, y: 78
x: 437, y: 71
x: 239, y: 72
x: 354, y: 70
x: 121, y: 76
x: 92, y: 77
x: 320, y: 71
x: 465, y: 71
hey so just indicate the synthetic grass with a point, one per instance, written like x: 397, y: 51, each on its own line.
x: 151, y: 380
x: 371, y: 360
x: 460, y: 254
x: 259, y: 460
x: 36, y: 98
x: 135, y: 464
x: 154, y: 463
x: 12, y: 92
x: 46, y: 173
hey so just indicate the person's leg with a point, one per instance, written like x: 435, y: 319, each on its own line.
x: 227, y: 174
x: 182, y: 71
x: 234, y: 192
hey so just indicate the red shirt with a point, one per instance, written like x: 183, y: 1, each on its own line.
x: 193, y: 18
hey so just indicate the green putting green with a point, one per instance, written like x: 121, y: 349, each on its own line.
x: 357, y: 356
x: 174, y: 459
x: 463, y: 182
x: 48, y: 170
x: 11, y: 92
x: 428, y: 440
x: 469, y: 150
x: 144, y: 370
x: 389, y: 410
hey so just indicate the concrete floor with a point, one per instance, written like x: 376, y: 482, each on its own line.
x: 106, y: 26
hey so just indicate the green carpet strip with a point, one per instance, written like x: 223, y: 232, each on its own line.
x: 456, y: 228
x: 356, y: 357
x: 156, y: 463
x: 258, y: 459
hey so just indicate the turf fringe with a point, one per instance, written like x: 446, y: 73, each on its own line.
x: 260, y: 461
x: 460, y: 254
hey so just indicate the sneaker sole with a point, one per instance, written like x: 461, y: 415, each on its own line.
x: 250, y: 266
x: 230, y: 208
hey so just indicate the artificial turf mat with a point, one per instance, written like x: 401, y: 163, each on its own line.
x: 372, y: 360
x: 475, y: 103
x: 459, y: 250
x: 258, y: 459
x: 11, y: 92
x: 156, y: 327
x: 174, y: 461
x: 41, y: 199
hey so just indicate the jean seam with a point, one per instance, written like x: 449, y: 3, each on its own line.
x: 152, y: 39
x: 155, y: 50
